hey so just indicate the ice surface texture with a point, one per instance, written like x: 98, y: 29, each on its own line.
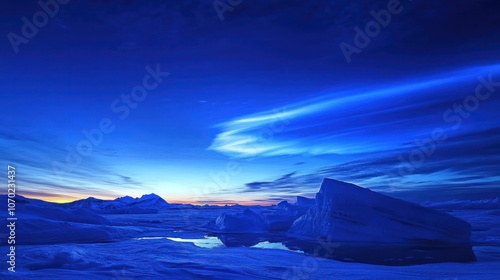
x: 348, y: 213
x: 248, y: 221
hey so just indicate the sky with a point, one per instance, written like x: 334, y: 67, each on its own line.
x: 250, y: 102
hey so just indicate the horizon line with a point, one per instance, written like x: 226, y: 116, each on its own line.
x: 69, y: 199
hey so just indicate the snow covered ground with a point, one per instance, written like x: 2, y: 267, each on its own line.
x: 61, y: 242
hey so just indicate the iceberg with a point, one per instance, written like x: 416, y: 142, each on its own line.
x: 281, y: 221
x: 345, y: 212
x: 245, y: 222
x: 355, y: 224
x: 283, y: 216
x: 284, y: 205
x: 278, y: 218
x: 304, y: 201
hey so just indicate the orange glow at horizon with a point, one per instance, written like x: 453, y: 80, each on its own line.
x: 68, y: 198
x: 61, y: 198
x: 221, y: 203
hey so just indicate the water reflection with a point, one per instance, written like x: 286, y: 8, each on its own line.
x: 385, y: 254
x: 239, y: 240
x: 275, y: 246
x: 254, y: 241
x: 380, y: 254
x: 205, y: 242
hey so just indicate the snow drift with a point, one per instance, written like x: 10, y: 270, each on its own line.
x: 41, y: 222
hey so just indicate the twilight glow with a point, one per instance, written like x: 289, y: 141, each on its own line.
x: 255, y: 109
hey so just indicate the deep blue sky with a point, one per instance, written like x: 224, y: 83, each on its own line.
x: 266, y: 91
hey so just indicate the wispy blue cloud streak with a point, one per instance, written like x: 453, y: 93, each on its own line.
x: 361, y: 120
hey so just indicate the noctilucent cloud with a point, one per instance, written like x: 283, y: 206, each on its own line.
x: 126, y: 98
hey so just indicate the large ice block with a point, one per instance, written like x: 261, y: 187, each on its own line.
x: 345, y: 212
